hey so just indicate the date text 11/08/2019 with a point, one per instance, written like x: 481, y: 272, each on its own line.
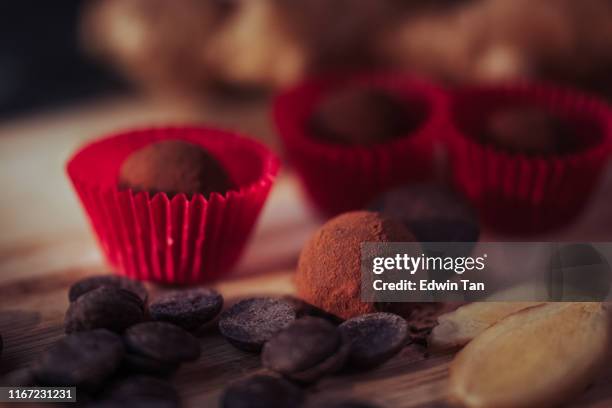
x: 428, y: 285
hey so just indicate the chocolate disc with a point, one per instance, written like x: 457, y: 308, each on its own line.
x: 303, y: 309
x: 303, y: 344
x: 189, y: 309
x: 306, y: 350
x: 251, y: 322
x: 104, y: 308
x: 374, y: 338
x: 84, y: 360
x: 93, y: 282
x: 162, y: 341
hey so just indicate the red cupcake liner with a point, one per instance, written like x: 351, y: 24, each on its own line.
x: 340, y: 178
x: 519, y: 193
x: 178, y: 240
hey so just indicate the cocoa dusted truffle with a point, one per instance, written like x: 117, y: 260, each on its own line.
x: 361, y: 116
x: 329, y: 269
x: 527, y: 130
x: 174, y: 167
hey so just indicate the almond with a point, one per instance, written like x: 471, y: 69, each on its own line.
x: 458, y: 327
x: 538, y: 357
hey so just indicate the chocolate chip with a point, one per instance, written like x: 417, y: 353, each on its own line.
x: 374, y: 338
x: 262, y: 391
x: 21, y: 377
x: 189, y: 309
x: 306, y: 350
x: 303, y: 309
x: 104, y: 308
x: 93, y: 282
x: 135, y: 363
x: 251, y: 322
x: 81, y: 359
x: 141, y: 391
x: 162, y: 341
x: 302, y: 345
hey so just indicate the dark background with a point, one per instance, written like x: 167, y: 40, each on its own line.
x: 40, y: 61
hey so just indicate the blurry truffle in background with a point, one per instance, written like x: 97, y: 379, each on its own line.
x: 434, y: 213
x: 361, y: 116
x: 173, y: 167
x: 527, y: 130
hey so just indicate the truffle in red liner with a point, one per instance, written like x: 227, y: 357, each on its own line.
x: 182, y: 239
x: 528, y: 186
x: 362, y: 116
x: 339, y: 158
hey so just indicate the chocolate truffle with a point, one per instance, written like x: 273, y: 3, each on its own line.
x: 174, y: 167
x: 329, y: 269
x: 361, y: 116
x: 527, y: 130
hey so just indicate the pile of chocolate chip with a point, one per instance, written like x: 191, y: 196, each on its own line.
x: 119, y: 349
x: 300, y: 344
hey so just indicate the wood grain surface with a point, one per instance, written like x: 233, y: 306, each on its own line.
x: 45, y: 245
x: 32, y: 311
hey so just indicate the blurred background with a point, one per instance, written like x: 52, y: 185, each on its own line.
x: 185, y: 51
x: 76, y: 69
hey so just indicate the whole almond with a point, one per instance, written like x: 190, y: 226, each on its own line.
x: 460, y: 326
x: 538, y: 357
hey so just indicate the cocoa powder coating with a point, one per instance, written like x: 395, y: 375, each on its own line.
x: 174, y: 167
x: 328, y: 274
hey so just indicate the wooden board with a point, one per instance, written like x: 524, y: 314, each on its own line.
x: 45, y: 245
